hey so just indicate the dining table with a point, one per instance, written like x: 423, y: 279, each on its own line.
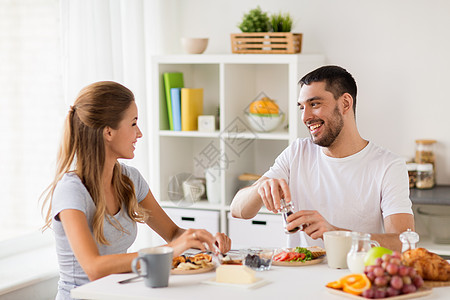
x: 277, y: 283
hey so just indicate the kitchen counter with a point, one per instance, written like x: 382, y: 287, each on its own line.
x: 304, y: 282
x: 439, y: 195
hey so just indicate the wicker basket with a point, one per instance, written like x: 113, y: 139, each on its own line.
x: 266, y: 42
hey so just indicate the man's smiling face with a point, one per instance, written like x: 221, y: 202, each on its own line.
x: 320, y: 113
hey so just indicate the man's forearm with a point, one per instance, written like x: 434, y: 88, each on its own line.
x: 246, y: 203
x: 388, y: 240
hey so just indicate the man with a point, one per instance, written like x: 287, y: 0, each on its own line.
x: 336, y: 179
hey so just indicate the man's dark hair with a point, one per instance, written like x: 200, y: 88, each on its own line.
x: 337, y: 81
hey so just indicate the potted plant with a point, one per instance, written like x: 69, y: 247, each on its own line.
x: 262, y: 33
x: 281, y: 22
x: 255, y: 21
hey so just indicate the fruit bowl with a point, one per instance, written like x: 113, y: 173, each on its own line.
x: 258, y: 259
x: 264, y: 122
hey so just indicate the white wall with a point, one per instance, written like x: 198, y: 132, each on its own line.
x: 397, y: 50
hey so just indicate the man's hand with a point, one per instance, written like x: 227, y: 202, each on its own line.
x: 272, y: 191
x: 314, y: 224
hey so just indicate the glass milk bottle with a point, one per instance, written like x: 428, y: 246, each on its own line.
x: 361, y: 244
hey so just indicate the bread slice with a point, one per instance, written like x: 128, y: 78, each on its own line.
x: 316, y: 251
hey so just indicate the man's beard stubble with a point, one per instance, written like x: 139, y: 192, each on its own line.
x: 334, y: 127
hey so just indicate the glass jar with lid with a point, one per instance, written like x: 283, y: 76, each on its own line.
x: 425, y: 151
x: 412, y: 174
x: 425, y: 176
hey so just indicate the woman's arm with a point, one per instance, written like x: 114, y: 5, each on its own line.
x: 159, y: 221
x: 178, y: 238
x: 85, y: 249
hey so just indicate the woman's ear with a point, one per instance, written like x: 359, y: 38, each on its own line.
x: 107, y: 133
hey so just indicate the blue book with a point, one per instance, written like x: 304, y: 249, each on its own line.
x: 175, y: 95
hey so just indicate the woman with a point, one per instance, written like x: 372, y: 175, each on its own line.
x: 96, y: 201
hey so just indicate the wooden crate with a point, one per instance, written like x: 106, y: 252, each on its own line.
x: 266, y: 42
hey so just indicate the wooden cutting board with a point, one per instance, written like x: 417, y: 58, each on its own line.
x: 430, y: 283
x: 423, y: 291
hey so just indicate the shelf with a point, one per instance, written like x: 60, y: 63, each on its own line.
x: 214, y: 134
x: 275, y: 135
x: 439, y: 195
x: 230, y: 83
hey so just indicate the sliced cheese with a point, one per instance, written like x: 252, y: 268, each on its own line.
x: 235, y: 274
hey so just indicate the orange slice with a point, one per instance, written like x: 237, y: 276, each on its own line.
x: 355, y: 284
x: 334, y: 284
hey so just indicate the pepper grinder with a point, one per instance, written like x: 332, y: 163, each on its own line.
x: 286, y: 210
x: 409, y: 240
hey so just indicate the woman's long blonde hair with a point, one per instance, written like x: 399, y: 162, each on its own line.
x: 97, y: 106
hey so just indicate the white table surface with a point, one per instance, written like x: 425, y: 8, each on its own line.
x: 285, y: 283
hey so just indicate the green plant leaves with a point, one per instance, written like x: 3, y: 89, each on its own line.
x: 258, y: 21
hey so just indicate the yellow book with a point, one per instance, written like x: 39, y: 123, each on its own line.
x: 191, y: 108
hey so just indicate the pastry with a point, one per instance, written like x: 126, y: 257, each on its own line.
x: 428, y: 265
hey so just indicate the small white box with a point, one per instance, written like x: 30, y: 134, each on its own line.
x: 264, y: 230
x: 206, y: 123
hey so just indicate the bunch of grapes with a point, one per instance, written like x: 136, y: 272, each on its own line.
x: 390, y: 278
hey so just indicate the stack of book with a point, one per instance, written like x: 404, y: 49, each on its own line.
x: 184, y: 105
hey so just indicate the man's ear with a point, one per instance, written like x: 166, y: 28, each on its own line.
x: 107, y: 133
x: 347, y: 103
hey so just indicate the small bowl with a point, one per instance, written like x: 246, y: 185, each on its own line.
x: 258, y: 259
x: 231, y: 258
x: 194, y: 45
x: 264, y: 122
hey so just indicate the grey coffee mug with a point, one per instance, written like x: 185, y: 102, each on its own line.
x: 156, y: 263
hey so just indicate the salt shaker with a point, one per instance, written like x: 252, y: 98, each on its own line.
x: 409, y: 239
x: 286, y: 210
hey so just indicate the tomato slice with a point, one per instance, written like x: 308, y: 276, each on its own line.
x: 291, y: 256
x: 281, y: 256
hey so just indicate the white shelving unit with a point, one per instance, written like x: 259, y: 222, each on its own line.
x: 230, y: 82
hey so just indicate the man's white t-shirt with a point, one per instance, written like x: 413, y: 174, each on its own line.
x: 354, y: 192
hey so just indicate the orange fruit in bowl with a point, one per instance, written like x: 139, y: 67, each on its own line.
x: 265, y: 106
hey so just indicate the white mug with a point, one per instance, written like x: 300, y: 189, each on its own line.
x: 337, y: 245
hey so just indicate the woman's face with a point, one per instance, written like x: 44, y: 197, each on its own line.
x: 122, y: 141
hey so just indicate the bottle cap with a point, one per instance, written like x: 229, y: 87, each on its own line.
x: 411, y: 166
x: 426, y: 142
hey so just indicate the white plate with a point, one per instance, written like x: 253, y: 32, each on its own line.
x: 258, y: 283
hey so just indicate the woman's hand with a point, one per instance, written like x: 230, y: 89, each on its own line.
x: 223, y: 242
x: 193, y: 238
